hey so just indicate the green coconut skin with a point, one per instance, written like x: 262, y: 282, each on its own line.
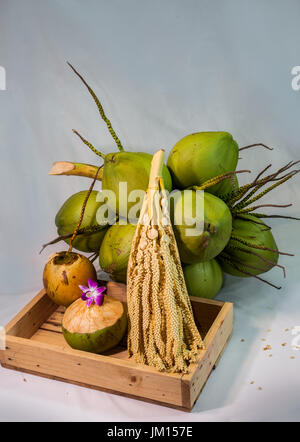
x: 228, y: 186
x: 203, y: 279
x: 255, y: 234
x: 201, y: 156
x: 99, y: 341
x: 132, y: 168
x: 67, y: 218
x: 209, y: 241
x: 115, y: 250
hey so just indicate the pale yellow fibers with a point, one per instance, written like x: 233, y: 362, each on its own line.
x: 162, y: 332
x: 156, y: 302
x: 145, y: 299
x: 134, y: 308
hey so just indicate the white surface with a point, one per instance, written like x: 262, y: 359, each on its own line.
x: 162, y: 70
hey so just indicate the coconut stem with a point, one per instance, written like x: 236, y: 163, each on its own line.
x: 251, y: 252
x: 239, y: 216
x: 82, y: 211
x: 257, y: 144
x: 218, y: 179
x: 263, y: 215
x: 246, y: 201
x: 88, y: 144
x: 77, y: 169
x: 232, y: 259
x: 256, y: 246
x: 100, y: 109
x: 232, y: 198
x: 262, y: 172
x: 246, y: 198
x: 83, y: 231
x: 250, y: 209
x: 94, y: 256
x: 250, y: 274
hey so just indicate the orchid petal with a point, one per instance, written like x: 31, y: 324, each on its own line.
x: 92, y: 284
x: 99, y: 299
x: 84, y: 296
x: 99, y: 290
x: 84, y: 289
x: 89, y: 302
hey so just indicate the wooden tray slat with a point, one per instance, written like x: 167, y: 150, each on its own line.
x: 56, y: 316
x: 50, y: 337
x: 52, y: 327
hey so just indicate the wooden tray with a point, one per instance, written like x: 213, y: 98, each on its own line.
x: 35, y: 345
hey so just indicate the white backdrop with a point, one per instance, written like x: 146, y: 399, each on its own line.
x: 162, y: 69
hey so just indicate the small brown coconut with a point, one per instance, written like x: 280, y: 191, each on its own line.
x: 63, y: 273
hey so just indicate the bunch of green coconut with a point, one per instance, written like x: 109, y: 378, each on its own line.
x: 224, y: 231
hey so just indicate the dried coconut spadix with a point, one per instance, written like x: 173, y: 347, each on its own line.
x: 162, y: 332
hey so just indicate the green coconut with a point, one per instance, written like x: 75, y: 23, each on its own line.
x: 96, y: 328
x: 228, y: 186
x: 202, y: 225
x: 203, y: 279
x: 132, y: 168
x: 115, y: 250
x: 252, y: 249
x: 201, y: 156
x: 67, y: 218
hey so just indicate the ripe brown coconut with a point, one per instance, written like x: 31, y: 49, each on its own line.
x: 63, y: 273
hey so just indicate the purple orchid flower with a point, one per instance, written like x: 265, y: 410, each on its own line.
x: 92, y: 293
